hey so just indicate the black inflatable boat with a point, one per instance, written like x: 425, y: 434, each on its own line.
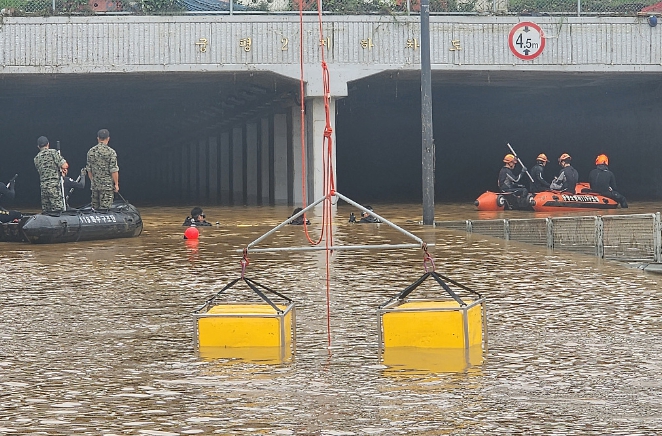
x: 85, y: 224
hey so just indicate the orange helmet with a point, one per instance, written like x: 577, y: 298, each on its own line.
x: 509, y: 158
x: 564, y: 157
x: 602, y: 160
x: 541, y: 157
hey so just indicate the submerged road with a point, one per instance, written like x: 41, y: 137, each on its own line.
x: 96, y: 337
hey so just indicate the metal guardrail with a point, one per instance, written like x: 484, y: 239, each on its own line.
x: 348, y: 7
x: 619, y: 237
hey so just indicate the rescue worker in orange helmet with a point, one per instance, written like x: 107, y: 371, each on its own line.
x: 567, y: 178
x: 603, y: 181
x: 507, y: 180
x: 539, y: 184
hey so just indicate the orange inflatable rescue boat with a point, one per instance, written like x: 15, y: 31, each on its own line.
x: 546, y: 201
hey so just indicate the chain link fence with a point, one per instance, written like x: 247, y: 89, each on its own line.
x: 351, y: 7
x: 619, y: 237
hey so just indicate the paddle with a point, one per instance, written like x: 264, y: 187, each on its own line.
x: 520, y: 162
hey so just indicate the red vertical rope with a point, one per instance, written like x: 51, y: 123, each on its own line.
x: 328, y: 179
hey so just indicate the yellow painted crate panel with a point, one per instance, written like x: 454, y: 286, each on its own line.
x: 239, y: 330
x: 432, y: 328
x: 433, y: 359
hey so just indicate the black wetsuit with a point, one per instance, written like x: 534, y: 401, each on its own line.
x: 193, y: 222
x: 7, y: 216
x: 539, y: 184
x: 298, y: 221
x: 70, y: 183
x: 567, y: 180
x: 603, y: 182
x: 370, y: 220
x: 509, y: 183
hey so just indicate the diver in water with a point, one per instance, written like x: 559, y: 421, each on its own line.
x: 365, y: 217
x: 7, y: 191
x: 298, y: 221
x: 197, y: 218
x: 568, y: 178
x: 603, y: 181
x: 539, y: 184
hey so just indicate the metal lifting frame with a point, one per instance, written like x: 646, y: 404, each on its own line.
x: 419, y: 242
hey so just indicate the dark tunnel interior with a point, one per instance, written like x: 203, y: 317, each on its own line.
x: 377, y: 126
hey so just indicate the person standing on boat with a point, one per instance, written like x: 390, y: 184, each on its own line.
x: 49, y: 164
x: 539, y: 184
x: 507, y: 181
x: 603, y: 181
x: 71, y: 184
x: 568, y: 177
x: 103, y: 172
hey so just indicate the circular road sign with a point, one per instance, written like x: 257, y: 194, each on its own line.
x: 526, y: 40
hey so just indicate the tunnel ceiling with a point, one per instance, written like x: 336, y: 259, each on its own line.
x: 160, y: 107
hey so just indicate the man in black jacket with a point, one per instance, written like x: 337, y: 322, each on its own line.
x: 603, y: 181
x: 539, y: 184
x: 568, y: 177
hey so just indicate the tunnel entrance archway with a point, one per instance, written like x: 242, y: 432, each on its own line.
x: 477, y: 113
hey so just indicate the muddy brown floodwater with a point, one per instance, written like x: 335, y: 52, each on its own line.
x: 96, y: 337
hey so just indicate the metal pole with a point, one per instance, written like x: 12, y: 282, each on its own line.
x: 579, y: 8
x: 334, y: 248
x: 231, y: 6
x: 426, y: 117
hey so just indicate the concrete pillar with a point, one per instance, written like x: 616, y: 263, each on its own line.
x: 237, y: 166
x: 264, y: 142
x: 213, y: 169
x: 225, y: 167
x: 251, y: 163
x: 280, y: 158
x: 203, y: 161
x: 297, y: 195
x: 317, y: 124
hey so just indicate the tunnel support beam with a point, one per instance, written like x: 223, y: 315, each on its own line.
x: 317, y: 125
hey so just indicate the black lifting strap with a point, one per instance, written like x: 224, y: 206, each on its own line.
x: 255, y: 288
x: 438, y: 278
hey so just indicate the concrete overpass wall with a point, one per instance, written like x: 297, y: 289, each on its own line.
x: 358, y: 46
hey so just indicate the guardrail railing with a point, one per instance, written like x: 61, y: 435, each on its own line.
x: 348, y: 7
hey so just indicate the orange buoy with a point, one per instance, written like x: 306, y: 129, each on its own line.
x: 191, y: 233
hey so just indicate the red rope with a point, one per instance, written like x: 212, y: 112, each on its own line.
x: 328, y: 184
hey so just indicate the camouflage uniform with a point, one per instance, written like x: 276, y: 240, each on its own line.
x: 102, y: 162
x: 48, y: 163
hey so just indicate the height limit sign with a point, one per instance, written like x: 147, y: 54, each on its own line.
x: 526, y: 40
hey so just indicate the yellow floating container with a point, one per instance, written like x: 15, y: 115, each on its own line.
x: 440, y: 360
x: 244, y: 326
x: 433, y: 324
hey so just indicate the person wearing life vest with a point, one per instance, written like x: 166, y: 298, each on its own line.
x: 539, y: 184
x: 603, y: 181
x: 507, y: 181
x: 567, y: 178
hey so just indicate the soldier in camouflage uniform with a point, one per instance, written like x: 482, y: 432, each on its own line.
x: 103, y: 172
x: 49, y: 163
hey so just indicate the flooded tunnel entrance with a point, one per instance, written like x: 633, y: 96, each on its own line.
x: 150, y: 117
x: 187, y: 120
x: 477, y: 113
